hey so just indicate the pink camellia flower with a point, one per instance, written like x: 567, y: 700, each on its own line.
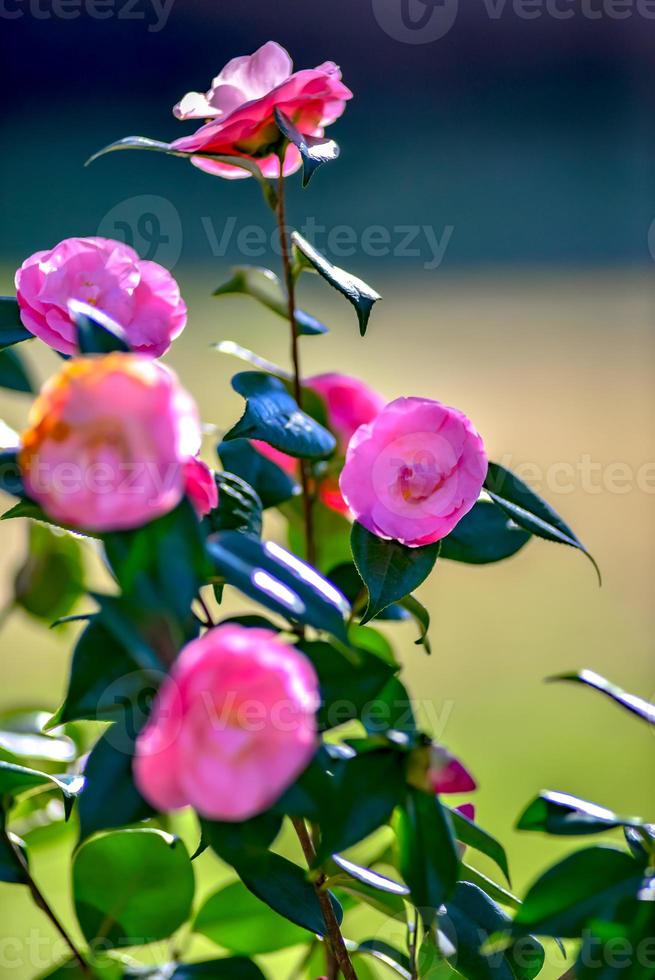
x: 108, y: 441
x: 446, y: 774
x: 414, y: 471
x: 142, y: 297
x: 200, y: 486
x: 349, y: 403
x: 240, y: 108
x: 232, y: 727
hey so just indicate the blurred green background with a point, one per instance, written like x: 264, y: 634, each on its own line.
x: 532, y: 141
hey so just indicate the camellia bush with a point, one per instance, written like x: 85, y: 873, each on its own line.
x: 291, y: 719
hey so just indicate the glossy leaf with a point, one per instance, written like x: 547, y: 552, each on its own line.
x: 491, y: 888
x: 284, y: 887
x: 264, y: 286
x: 15, y: 780
x: 585, y: 886
x: 22, y: 735
x: 384, y: 953
x: 110, y: 798
x: 314, y: 150
x: 471, y: 834
x: 528, y: 510
x: 97, y: 333
x: 347, y: 685
x: 470, y: 918
x: 238, y: 921
x: 12, y: 868
x: 427, y: 852
x: 13, y: 374
x: 278, y: 580
x: 636, y: 705
x: 12, y: 330
x: 239, y: 507
x: 376, y: 890
x: 355, y: 290
x: 272, y: 415
x: 268, y: 480
x: 132, y: 887
x: 565, y: 815
x: 51, y: 580
x: 389, y: 570
x: 422, y: 618
x: 486, y: 534
x: 242, y: 844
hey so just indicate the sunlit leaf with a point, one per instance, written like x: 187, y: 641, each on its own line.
x: 238, y: 921
x: 565, y: 815
x: 486, y: 534
x: 636, y: 705
x: 264, y: 286
x: 314, y: 150
x: 97, y: 333
x: 271, y: 483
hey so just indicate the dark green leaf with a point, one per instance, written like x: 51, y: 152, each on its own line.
x: 384, y: 953
x: 278, y: 580
x: 491, y: 888
x: 270, y: 482
x: 638, y: 706
x: 422, y: 617
x: 239, y: 507
x: 313, y: 791
x: 484, y: 535
x: 622, y: 950
x: 15, y: 779
x: 13, y: 373
x: 242, y: 844
x: 427, y: 852
x: 367, y: 788
x: 389, y: 570
x: 470, y: 918
x: 564, y: 815
x: 355, y: 290
x: 110, y: 798
x: 11, y: 480
x: 272, y: 415
x: 284, y: 887
x: 132, y: 887
x: 104, y: 681
x: 51, y: 580
x: 371, y: 879
x: 469, y: 833
x: 264, y: 286
x: 239, y: 922
x: 314, y: 150
x: 641, y: 840
x: 528, y: 510
x: 391, y: 710
x: 12, y: 330
x: 12, y: 868
x: 585, y: 886
x: 233, y: 968
x: 347, y: 686
x: 96, y: 332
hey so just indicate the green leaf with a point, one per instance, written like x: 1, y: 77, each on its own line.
x: 110, y: 798
x: 622, y: 950
x: 331, y: 533
x: 233, y: 968
x: 268, y: 480
x: 242, y: 844
x: 638, y: 706
x: 585, y: 886
x: 347, y: 686
x: 355, y: 290
x: 470, y: 918
x: 96, y: 332
x: 12, y: 869
x: 391, y: 710
x: 565, y: 815
x: 51, y: 580
x: 471, y: 834
x: 491, y: 888
x: 272, y: 415
x: 385, y: 953
x: 528, y: 510
x: 422, y: 617
x: 264, y: 286
x: 104, y: 680
x: 428, y: 857
x: 484, y: 535
x: 278, y: 580
x: 12, y: 330
x: 314, y: 150
x: 367, y: 788
x: 239, y: 922
x: 22, y: 735
x: 13, y: 374
x: 389, y: 570
x: 132, y: 887
x: 284, y: 887
x: 11, y: 480
x: 239, y: 507
x: 373, y: 888
x: 15, y: 780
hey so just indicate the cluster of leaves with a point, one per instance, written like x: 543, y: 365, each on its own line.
x: 378, y: 839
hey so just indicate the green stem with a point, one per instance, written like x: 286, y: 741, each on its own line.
x: 42, y: 903
x: 290, y: 282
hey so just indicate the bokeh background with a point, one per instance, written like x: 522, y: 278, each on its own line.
x: 518, y: 152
